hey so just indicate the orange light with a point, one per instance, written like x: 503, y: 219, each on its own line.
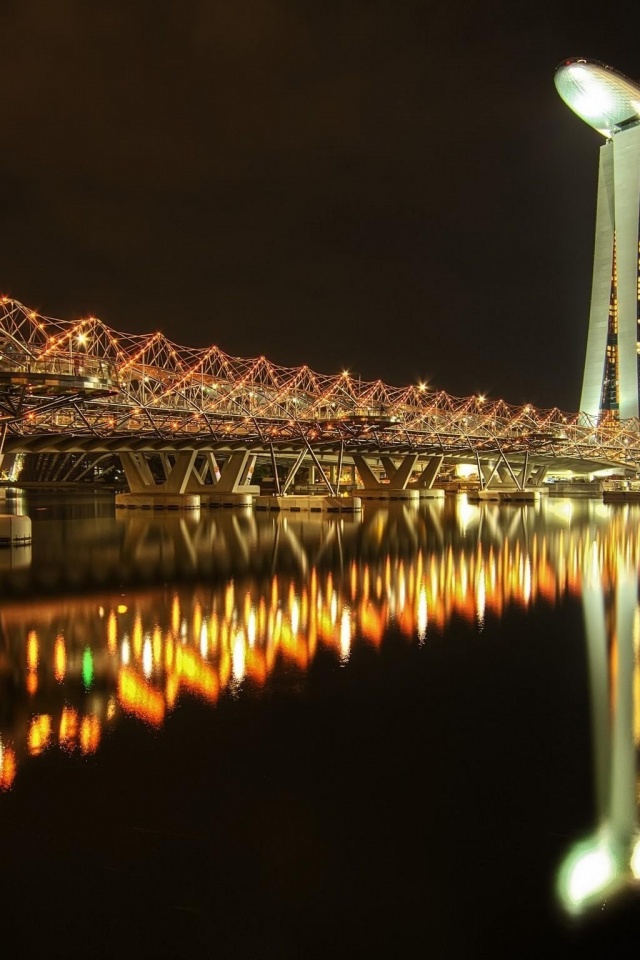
x: 196, y: 676
x: 138, y: 697
x: 137, y: 636
x: 68, y: 728
x: 90, y: 733
x: 32, y: 650
x: 39, y: 734
x: 7, y: 768
x: 59, y: 659
x: 112, y: 632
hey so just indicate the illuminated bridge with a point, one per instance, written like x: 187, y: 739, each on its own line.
x: 188, y: 421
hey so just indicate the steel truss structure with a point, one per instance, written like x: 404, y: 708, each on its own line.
x: 80, y: 385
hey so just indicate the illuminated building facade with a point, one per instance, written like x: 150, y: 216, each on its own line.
x: 610, y: 103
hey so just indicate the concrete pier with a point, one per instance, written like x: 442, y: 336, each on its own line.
x: 430, y: 493
x: 621, y: 496
x: 582, y: 489
x: 497, y: 495
x: 226, y: 500
x: 158, y: 501
x: 14, y: 530
x: 317, y: 504
x: 386, y: 495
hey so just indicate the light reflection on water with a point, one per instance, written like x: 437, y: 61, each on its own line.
x: 114, y: 617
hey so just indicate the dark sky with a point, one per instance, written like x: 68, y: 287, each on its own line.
x: 393, y: 187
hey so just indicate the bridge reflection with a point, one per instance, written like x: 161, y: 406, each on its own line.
x: 252, y: 598
x: 96, y: 551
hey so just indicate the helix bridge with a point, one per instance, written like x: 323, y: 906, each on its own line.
x: 82, y: 386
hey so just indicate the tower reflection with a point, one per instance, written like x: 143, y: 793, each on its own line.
x: 607, y: 861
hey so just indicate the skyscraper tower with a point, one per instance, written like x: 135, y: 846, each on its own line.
x: 610, y: 103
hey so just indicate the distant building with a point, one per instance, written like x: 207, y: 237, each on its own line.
x: 610, y: 103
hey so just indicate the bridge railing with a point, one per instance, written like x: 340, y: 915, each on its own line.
x: 62, y: 365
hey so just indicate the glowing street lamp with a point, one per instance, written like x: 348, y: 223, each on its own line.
x: 81, y: 339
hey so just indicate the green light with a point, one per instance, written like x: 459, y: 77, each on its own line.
x: 87, y: 668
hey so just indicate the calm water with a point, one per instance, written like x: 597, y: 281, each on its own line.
x: 239, y: 735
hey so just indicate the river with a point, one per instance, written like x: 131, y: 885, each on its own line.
x: 269, y: 736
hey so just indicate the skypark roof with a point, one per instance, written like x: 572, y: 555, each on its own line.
x: 602, y: 97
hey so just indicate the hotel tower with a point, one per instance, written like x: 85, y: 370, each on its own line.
x: 610, y: 103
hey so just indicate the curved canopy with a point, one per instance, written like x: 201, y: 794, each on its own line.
x: 602, y: 97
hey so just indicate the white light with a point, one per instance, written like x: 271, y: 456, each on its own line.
x: 334, y: 608
x: 481, y: 597
x: 295, y: 616
x: 589, y: 875
x: 599, y: 95
x: 238, y: 657
x: 423, y: 614
x: 526, y: 585
x: 147, y: 658
x: 251, y: 628
x: 345, y: 634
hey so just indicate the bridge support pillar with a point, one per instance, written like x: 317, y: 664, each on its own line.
x: 141, y: 480
x: 234, y: 472
x: 399, y: 477
x: 232, y: 488
x: 293, y: 471
x: 366, y: 474
x: 178, y: 479
x: 538, y: 476
x: 137, y: 472
x: 146, y: 494
x: 425, y: 482
x: 504, y: 481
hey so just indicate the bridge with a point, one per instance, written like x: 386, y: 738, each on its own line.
x: 189, y: 424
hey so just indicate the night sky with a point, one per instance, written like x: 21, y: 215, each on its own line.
x: 391, y: 187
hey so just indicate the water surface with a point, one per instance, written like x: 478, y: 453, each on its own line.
x: 280, y: 737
